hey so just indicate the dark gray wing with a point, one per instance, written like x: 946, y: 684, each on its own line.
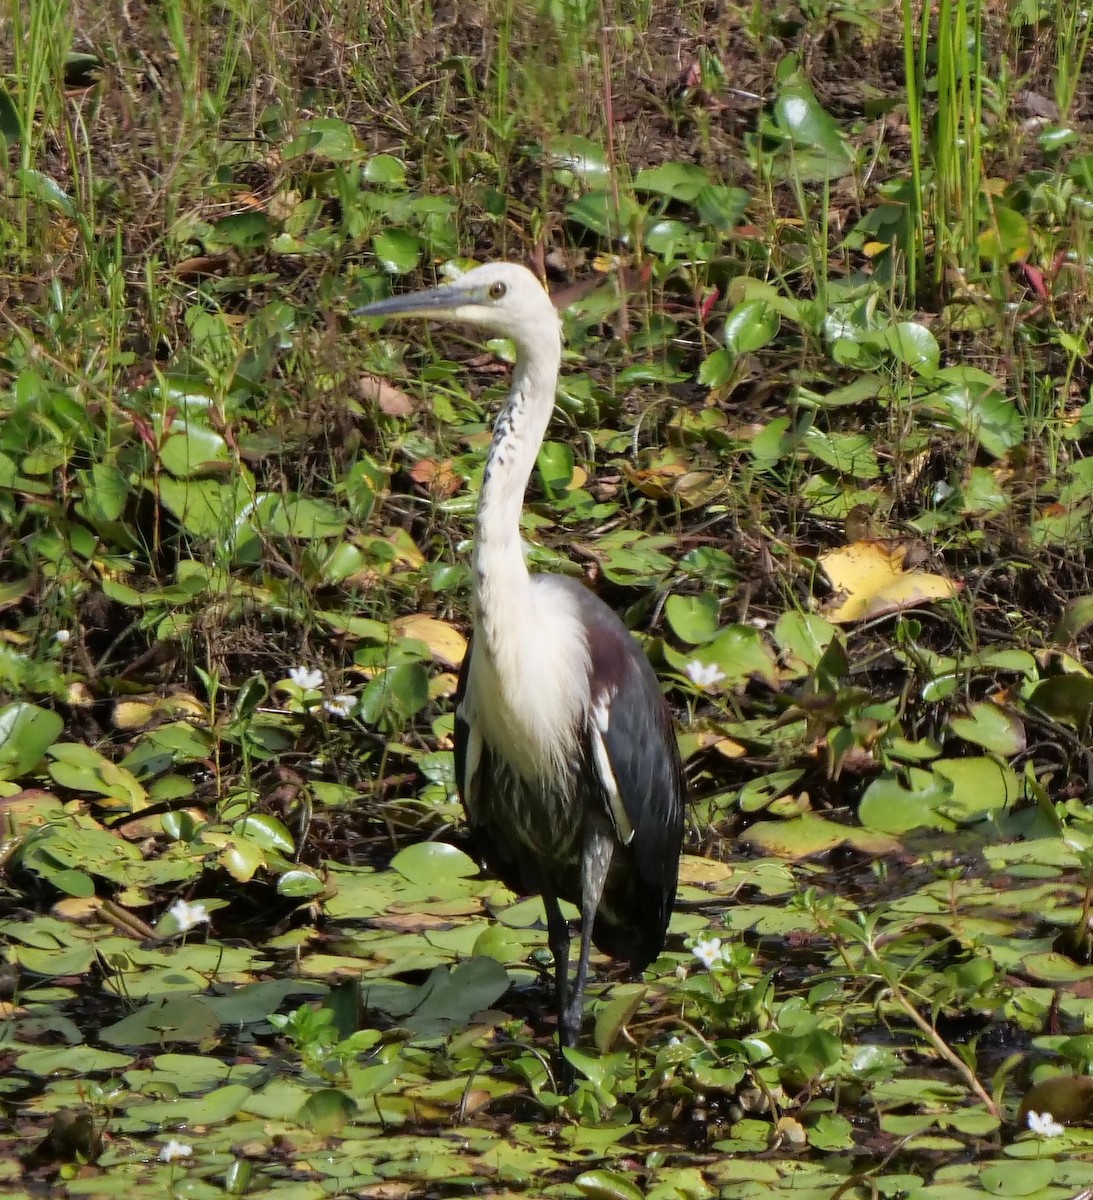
x: 632, y: 748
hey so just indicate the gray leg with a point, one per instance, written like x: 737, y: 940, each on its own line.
x: 558, y: 939
x: 595, y: 861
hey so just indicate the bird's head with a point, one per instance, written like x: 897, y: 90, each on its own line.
x: 503, y: 298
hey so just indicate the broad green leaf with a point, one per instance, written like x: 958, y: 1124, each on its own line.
x: 980, y: 786
x: 1015, y: 1178
x: 721, y: 207
x: 1067, y: 698
x: 750, y: 326
x: 398, y: 250
x: 894, y: 806
x: 244, y: 231
x: 576, y: 158
x: 82, y: 769
x: 803, y: 638
x: 425, y: 862
x: 1076, y: 619
x: 327, y: 1111
x: 385, y: 170
x: 603, y: 1184
x: 26, y: 732
x: 599, y: 212
x: 267, y: 832
x: 304, y: 517
x: 325, y: 137
x: 973, y: 403
x: 299, y: 884
x: 693, y: 619
x: 190, y: 448
x: 555, y: 462
x: 992, y: 727
x: 178, y: 1019
x: 677, y: 180
x: 36, y: 185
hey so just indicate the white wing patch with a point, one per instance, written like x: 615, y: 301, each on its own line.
x: 600, y: 720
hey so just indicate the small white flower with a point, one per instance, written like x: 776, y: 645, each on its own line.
x: 340, y: 705
x: 308, y: 678
x: 188, y: 915
x: 1044, y: 1125
x: 704, y: 675
x: 172, y: 1150
x: 708, y: 952
x: 63, y: 636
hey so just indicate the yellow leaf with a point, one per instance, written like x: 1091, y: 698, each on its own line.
x: 133, y: 714
x: 702, y: 870
x: 869, y: 580
x: 445, y: 642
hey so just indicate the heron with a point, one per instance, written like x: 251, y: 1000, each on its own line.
x: 565, y: 753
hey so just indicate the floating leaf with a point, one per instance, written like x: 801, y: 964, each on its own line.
x: 327, y: 1111
x: 809, y: 834
x: 607, y: 1185
x: 896, y: 804
x: 992, y: 727
x: 176, y: 1019
x: 1067, y: 698
x: 426, y: 862
x: 82, y: 769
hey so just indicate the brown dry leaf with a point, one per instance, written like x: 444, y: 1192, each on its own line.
x: 710, y: 739
x: 201, y: 265
x: 409, y: 922
x: 445, y: 642
x: 656, y: 482
x: 391, y: 400
x: 438, y: 477
x: 870, y: 580
x: 696, y: 489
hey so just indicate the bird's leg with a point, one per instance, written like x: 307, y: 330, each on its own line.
x: 595, y: 860
x: 558, y: 939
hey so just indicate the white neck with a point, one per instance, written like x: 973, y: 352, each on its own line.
x: 501, y: 576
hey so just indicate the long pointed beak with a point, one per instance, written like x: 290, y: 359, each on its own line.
x: 432, y: 302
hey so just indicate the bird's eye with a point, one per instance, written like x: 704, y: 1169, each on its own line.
x: 497, y: 290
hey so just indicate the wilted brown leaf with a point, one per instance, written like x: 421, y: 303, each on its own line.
x: 391, y: 401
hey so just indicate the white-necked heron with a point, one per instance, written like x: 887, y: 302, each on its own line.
x: 566, y: 759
